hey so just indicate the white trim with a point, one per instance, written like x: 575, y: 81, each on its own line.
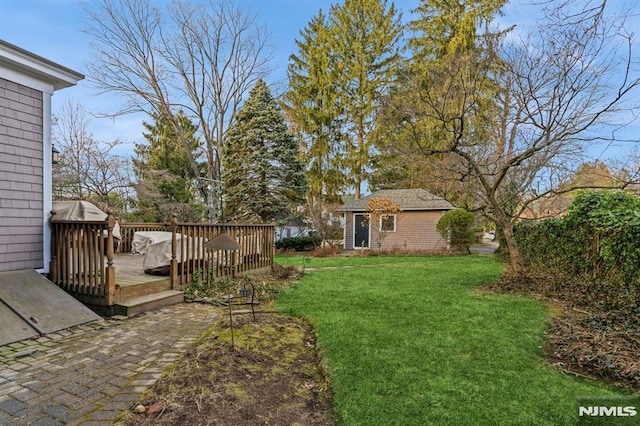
x: 16, y: 60
x: 395, y: 222
x: 344, y: 231
x: 47, y: 170
x: 353, y: 242
x: 26, y: 80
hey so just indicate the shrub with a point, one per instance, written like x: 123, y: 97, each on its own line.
x: 592, y: 254
x: 457, y: 226
x: 266, y: 286
x: 201, y: 288
x: 327, y: 251
x: 298, y: 243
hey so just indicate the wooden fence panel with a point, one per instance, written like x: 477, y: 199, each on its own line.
x: 256, y: 250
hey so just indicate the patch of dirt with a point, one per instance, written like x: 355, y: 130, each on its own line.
x: 272, y: 376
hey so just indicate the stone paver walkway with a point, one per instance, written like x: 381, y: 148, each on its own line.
x: 88, y: 374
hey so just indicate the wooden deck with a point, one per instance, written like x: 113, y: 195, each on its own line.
x: 84, y: 261
x: 132, y: 282
x: 129, y: 270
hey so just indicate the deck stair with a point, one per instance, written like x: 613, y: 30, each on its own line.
x: 130, y: 288
x: 137, y: 292
x: 136, y: 305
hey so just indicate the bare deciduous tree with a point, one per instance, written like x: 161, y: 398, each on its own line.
x: 199, y: 58
x: 88, y: 169
x: 561, y: 90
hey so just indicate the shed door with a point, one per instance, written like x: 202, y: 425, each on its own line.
x: 360, y: 231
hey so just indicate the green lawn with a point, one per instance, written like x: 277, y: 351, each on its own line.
x: 412, y: 341
x: 344, y: 261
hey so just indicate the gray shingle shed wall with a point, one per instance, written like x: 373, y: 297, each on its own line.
x: 21, y: 159
x: 415, y: 225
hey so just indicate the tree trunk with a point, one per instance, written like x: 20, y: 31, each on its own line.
x: 515, y: 258
x: 315, y: 210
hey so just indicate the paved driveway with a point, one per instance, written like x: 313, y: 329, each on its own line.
x: 88, y: 374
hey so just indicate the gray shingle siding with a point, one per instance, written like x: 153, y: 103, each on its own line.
x: 415, y: 225
x: 21, y: 209
x: 415, y: 231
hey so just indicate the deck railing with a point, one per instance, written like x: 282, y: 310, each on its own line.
x: 127, y: 231
x: 82, y: 254
x: 82, y: 259
x: 257, y: 249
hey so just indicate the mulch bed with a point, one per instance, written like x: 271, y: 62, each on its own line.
x: 584, y: 341
x: 266, y: 373
x: 603, y: 346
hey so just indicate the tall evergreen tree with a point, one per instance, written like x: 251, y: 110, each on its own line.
x: 263, y: 176
x: 162, y: 169
x: 364, y: 40
x: 312, y: 109
x: 445, y: 28
x: 454, y: 65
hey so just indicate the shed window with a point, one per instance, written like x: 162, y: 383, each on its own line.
x: 388, y: 223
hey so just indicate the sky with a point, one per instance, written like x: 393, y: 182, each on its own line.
x: 54, y: 29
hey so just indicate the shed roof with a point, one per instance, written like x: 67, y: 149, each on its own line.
x: 408, y: 199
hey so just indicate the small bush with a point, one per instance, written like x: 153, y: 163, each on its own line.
x: 199, y: 288
x: 266, y: 286
x: 285, y: 272
x: 457, y: 225
x: 298, y: 243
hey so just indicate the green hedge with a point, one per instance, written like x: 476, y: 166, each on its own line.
x: 298, y: 243
x: 593, y: 253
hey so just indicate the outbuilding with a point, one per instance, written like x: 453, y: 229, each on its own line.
x: 411, y: 229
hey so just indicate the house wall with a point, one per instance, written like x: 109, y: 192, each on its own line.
x: 415, y: 231
x: 21, y: 177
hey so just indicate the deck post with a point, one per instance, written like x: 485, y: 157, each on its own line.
x: 110, y: 273
x: 173, y: 265
x: 53, y: 264
x: 272, y: 244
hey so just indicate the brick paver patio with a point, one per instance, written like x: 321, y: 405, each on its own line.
x: 88, y: 374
